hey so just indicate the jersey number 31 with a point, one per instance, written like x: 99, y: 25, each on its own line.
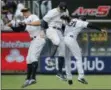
x: 72, y: 23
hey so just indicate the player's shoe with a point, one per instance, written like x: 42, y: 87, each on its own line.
x: 70, y: 82
x: 61, y: 76
x: 32, y: 81
x: 26, y: 83
x: 51, y: 62
x: 82, y: 80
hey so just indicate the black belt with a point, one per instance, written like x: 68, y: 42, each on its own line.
x: 57, y: 28
x: 33, y: 38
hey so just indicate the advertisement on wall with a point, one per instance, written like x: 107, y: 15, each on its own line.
x: 96, y: 11
x: 93, y: 65
x: 14, y: 48
x: 100, y: 10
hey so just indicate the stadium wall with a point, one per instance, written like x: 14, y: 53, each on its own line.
x: 96, y: 47
x: 14, y: 47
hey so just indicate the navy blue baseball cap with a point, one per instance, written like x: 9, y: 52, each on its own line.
x: 63, y: 6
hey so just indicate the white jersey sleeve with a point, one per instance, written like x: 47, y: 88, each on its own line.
x: 84, y: 24
x: 31, y: 18
x: 79, y: 23
x: 35, y: 18
x: 51, y: 14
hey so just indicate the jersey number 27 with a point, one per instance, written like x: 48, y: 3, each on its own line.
x: 72, y: 23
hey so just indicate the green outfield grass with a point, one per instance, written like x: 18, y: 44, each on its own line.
x: 52, y: 82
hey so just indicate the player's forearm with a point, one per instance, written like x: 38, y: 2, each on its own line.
x: 36, y: 23
x: 92, y: 26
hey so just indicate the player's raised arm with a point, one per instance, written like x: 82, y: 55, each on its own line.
x: 90, y: 25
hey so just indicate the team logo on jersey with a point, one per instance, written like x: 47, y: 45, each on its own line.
x: 14, y: 55
x: 100, y: 11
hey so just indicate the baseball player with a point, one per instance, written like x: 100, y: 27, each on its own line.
x: 73, y: 28
x: 54, y: 26
x: 32, y: 23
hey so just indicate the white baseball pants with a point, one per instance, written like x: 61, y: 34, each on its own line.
x: 74, y: 48
x: 68, y: 63
x: 35, y: 49
x: 52, y: 34
x: 57, y: 38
